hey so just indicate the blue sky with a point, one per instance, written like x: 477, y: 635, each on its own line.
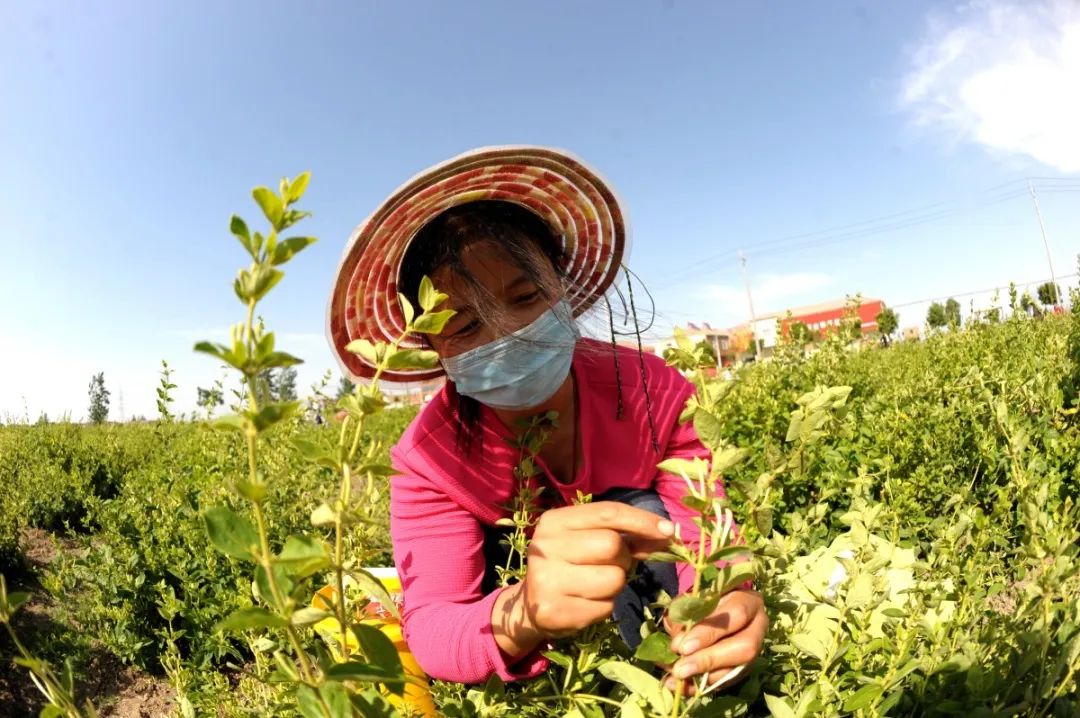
x: 846, y: 147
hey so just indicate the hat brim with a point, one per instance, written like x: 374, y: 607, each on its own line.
x: 579, y: 206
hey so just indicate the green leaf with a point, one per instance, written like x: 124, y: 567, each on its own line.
x: 51, y: 711
x: 374, y: 588
x: 763, y: 520
x: 308, y: 615
x: 288, y: 248
x: 252, y: 491
x: 377, y: 647
x: 730, y: 554
x: 239, y: 228
x: 321, y: 455
x: 631, y: 709
x: 407, y: 309
x: 231, y: 533
x: 280, y: 359
x: 428, y: 296
x: 708, y: 428
x: 262, y: 582
x: 809, y: 645
x: 15, y: 600
x: 219, y: 351
x: 373, y: 353
x: 252, y: 617
x: 303, y: 556
x: 264, y: 280
x: 270, y: 203
x: 376, y: 470
x: 297, y: 187
x: 559, y: 659
x: 412, y: 359
x: 724, y: 460
x: 234, y: 422
x: 778, y: 707
x: 693, y: 470
x: 366, y: 672
x: 693, y: 608
x: 272, y: 414
x: 307, y: 700
x: 640, y: 684
x: 734, y: 575
x: 337, y: 700
x: 863, y: 697
x: 370, y: 704
x: 433, y: 322
x: 656, y: 648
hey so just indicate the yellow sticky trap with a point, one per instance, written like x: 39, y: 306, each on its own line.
x: 417, y: 695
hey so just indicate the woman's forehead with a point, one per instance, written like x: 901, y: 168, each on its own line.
x: 490, y: 265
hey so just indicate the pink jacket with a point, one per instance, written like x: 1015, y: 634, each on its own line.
x: 439, y: 501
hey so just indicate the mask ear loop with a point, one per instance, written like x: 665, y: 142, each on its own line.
x: 641, y: 363
x: 615, y: 356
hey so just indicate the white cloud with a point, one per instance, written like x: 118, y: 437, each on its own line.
x: 771, y: 292
x: 1004, y: 74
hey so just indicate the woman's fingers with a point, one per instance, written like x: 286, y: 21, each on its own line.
x: 718, y: 659
x: 597, y: 583
x: 595, y: 547
x: 734, y: 612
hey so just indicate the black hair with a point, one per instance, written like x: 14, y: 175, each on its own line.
x: 527, y: 242
x: 520, y: 235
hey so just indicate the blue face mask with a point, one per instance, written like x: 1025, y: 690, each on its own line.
x: 520, y: 370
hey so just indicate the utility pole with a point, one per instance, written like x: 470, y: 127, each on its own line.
x: 1042, y: 229
x: 749, y: 300
x: 121, y: 406
x: 746, y: 281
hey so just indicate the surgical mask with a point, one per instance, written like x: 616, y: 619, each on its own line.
x: 520, y: 370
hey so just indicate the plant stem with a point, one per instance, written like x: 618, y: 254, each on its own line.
x: 339, y: 545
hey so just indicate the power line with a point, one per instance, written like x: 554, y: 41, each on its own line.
x: 979, y: 291
x: 871, y: 227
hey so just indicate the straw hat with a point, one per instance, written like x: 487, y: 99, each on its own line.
x: 578, y: 205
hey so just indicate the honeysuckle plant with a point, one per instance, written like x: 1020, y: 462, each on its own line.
x: 57, y: 688
x: 325, y: 684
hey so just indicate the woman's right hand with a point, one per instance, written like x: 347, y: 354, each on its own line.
x: 579, y: 559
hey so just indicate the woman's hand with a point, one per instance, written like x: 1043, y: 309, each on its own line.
x: 729, y: 637
x: 579, y: 557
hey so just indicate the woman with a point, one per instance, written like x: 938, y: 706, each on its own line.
x: 524, y: 239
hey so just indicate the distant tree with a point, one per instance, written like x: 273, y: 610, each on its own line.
x: 211, y: 398
x: 285, y: 384
x: 887, y: 324
x: 935, y: 316
x: 99, y: 399
x: 1049, y: 294
x: 800, y: 333
x: 952, y: 313
x: 345, y: 387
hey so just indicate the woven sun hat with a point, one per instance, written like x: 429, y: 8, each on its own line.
x: 573, y: 199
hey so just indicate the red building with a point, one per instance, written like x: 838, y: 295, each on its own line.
x: 820, y: 319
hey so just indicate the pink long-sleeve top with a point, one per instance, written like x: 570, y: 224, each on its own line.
x: 440, y: 501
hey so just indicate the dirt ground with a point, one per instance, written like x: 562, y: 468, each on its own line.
x: 117, y: 691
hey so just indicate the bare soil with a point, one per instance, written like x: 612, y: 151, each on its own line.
x: 116, y: 690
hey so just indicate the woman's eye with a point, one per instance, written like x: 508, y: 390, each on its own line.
x: 527, y: 298
x: 467, y: 329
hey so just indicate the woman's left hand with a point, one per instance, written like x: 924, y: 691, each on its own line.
x: 729, y: 637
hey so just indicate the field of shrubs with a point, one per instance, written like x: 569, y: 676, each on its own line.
x: 909, y: 513
x: 946, y: 469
